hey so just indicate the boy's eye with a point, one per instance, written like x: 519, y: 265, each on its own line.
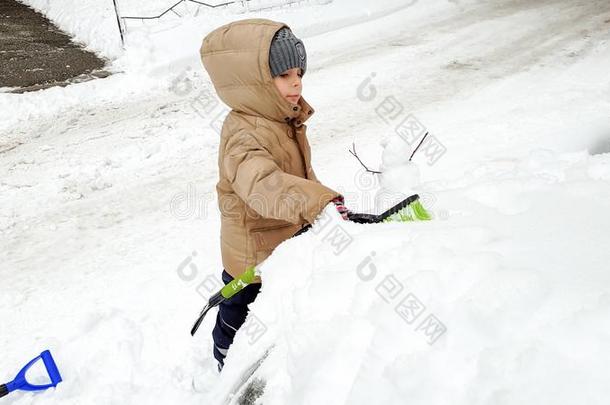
x: 286, y: 74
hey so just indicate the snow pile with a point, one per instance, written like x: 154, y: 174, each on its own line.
x: 504, y: 303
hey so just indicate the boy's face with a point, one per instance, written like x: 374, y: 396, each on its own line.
x: 289, y: 84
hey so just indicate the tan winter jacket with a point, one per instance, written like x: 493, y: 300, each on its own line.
x: 267, y: 189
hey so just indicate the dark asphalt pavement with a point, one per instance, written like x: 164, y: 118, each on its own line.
x: 35, y: 54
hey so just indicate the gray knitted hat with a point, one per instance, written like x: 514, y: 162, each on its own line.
x: 286, y: 52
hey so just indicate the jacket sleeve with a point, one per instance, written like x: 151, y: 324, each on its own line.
x: 266, y: 188
x: 312, y: 175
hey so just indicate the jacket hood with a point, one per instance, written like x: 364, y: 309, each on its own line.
x: 236, y: 56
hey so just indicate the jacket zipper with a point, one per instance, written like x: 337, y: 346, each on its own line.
x: 299, y: 147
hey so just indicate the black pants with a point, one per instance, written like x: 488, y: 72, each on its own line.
x: 231, y: 315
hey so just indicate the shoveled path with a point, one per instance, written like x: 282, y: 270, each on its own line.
x: 35, y: 54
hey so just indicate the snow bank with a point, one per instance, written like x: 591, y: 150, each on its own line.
x: 506, y: 302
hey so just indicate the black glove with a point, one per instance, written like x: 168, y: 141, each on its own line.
x: 352, y: 216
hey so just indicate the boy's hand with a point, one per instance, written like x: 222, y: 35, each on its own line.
x: 330, y: 210
x: 340, y: 205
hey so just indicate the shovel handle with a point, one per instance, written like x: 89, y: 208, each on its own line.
x: 3, y: 390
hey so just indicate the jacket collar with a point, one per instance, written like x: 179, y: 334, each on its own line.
x: 301, y: 114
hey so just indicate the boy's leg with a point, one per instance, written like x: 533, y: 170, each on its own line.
x: 231, y: 316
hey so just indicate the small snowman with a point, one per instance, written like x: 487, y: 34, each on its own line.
x: 398, y: 173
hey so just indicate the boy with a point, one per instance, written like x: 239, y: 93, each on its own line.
x: 267, y: 189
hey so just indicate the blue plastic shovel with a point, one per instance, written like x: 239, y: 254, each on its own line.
x: 20, y: 383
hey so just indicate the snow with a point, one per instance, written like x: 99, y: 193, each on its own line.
x: 110, y: 226
x: 398, y: 172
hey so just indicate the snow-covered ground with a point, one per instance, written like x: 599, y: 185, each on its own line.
x: 109, y: 225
